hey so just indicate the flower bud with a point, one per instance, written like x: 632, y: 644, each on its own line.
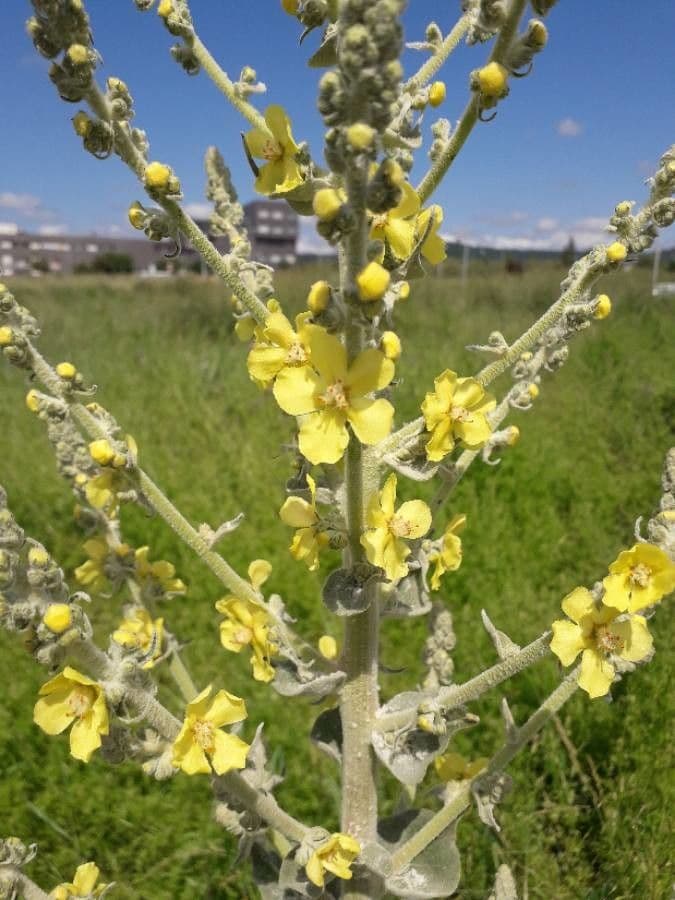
x: 318, y: 297
x: 360, y: 135
x: 492, y: 80
x: 533, y: 391
x: 373, y: 282
x: 101, y: 452
x: 290, y: 6
x: 38, y: 556
x: 58, y: 617
x: 404, y: 290
x: 512, y: 435
x: 603, y: 307
x: 66, y: 370
x: 537, y: 34
x: 326, y: 204
x: 78, y: 54
x: 32, y: 401
x: 390, y: 344
x: 161, y: 179
x: 328, y: 647
x: 81, y: 123
x: 623, y: 208
x: 437, y: 93
x: 137, y: 216
x: 165, y: 8
x: 6, y: 336
x: 616, y: 252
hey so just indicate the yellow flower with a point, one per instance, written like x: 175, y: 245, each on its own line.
x: 616, y: 252
x: 390, y: 528
x: 58, y: 617
x: 437, y: 93
x: 138, y: 631
x: 335, y: 857
x: 397, y: 226
x: 453, y: 767
x: 309, y: 538
x: 318, y: 297
x: 83, y: 884
x: 391, y: 345
x: 92, y: 573
x: 372, y: 282
x: 448, y: 558
x: 603, y: 307
x: 492, y: 80
x: 638, y: 578
x: 456, y: 411
x: 335, y: 394
x: 160, y: 573
x: 433, y: 247
x: 594, y: 632
x: 201, y: 746
x: 102, y: 491
x: 279, y: 346
x: 247, y: 624
x: 73, y: 699
x: 280, y: 173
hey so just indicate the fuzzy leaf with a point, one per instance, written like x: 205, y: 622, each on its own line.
x: 290, y: 683
x: 348, y: 592
x: 503, y: 644
x: 435, y: 873
x: 327, y: 733
x: 409, y: 598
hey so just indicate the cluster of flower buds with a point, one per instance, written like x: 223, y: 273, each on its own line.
x: 640, y: 231
x: 486, y: 17
x: 58, y: 25
x: 176, y: 16
x: 661, y: 528
x: 16, y: 325
x: 97, y: 135
x: 525, y: 46
x: 438, y: 648
x: 156, y: 224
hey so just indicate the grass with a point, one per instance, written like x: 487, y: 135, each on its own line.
x: 550, y: 517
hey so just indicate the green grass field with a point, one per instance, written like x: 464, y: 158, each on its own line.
x: 553, y: 515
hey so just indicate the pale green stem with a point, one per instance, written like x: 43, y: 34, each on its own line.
x: 12, y: 879
x: 226, y: 86
x: 455, y: 695
x: 182, y: 677
x: 470, y: 115
x: 132, y: 157
x: 435, y: 827
x: 427, y: 71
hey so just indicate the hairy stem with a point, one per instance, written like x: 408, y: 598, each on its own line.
x: 13, y: 879
x: 407, y: 852
x: 435, y: 62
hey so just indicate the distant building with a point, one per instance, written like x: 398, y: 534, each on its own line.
x: 272, y: 228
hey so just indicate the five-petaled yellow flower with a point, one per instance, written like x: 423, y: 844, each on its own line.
x: 595, y: 632
x: 280, y: 173
x: 330, y: 393
x: 201, y: 746
x: 448, y: 557
x: 433, y: 246
x: 279, y: 346
x: 247, y: 624
x: 83, y: 884
x: 137, y: 631
x: 309, y: 537
x: 73, y: 699
x: 389, y: 529
x: 456, y: 411
x: 335, y: 857
x: 638, y: 578
x: 397, y: 226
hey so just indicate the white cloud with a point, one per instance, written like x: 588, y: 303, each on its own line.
x: 547, y: 224
x: 52, y: 230
x: 26, y: 205
x: 569, y: 128
x: 200, y: 210
x: 546, y: 234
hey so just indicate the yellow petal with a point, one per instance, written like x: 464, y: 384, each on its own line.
x: 388, y: 495
x: 597, y: 674
x: 578, y: 604
x: 190, y: 757
x: 265, y: 363
x: 314, y: 870
x: 297, y: 513
x: 305, y: 547
x: 370, y: 371
x: 53, y: 713
x: 84, y: 739
x: 568, y: 641
x: 258, y: 572
x: 441, y: 441
x: 417, y: 515
x: 323, y: 436
x: 230, y: 636
x: 473, y: 431
x: 225, y: 709
x: 329, y: 355
x: 374, y: 542
x: 230, y: 752
x: 257, y: 142
x: 409, y: 203
x: 468, y: 393
x: 637, y: 641
x: 200, y: 704
x: 400, y: 236
x: 85, y: 878
x: 295, y: 390
x: 280, y: 126
x: 278, y: 330
x: 616, y: 595
x: 371, y: 419
x: 395, y: 554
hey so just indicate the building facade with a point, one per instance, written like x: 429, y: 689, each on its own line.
x: 272, y: 227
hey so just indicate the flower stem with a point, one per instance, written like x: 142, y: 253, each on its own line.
x: 12, y: 879
x: 407, y: 852
x: 427, y: 71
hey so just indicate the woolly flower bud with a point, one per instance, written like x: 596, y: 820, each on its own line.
x: 623, y: 208
x: 512, y: 435
x: 66, y: 370
x: 326, y: 204
x: 101, y: 452
x: 38, y: 556
x: 360, y: 135
x: 373, y: 282
x: 393, y: 172
x: 160, y: 178
x: 318, y: 297
x: 537, y: 34
x: 78, y: 54
x: 6, y: 336
x: 137, y: 216
x: 165, y: 8
x: 58, y: 617
x: 616, y: 252
x: 533, y: 391
x: 404, y: 290
x: 492, y: 79
x: 32, y: 401
x: 603, y: 307
x: 290, y: 6
x: 81, y: 123
x: 328, y: 647
x: 390, y: 344
x: 437, y: 93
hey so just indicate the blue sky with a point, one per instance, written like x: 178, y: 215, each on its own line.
x: 579, y: 134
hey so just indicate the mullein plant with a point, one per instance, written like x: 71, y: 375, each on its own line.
x: 333, y: 372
